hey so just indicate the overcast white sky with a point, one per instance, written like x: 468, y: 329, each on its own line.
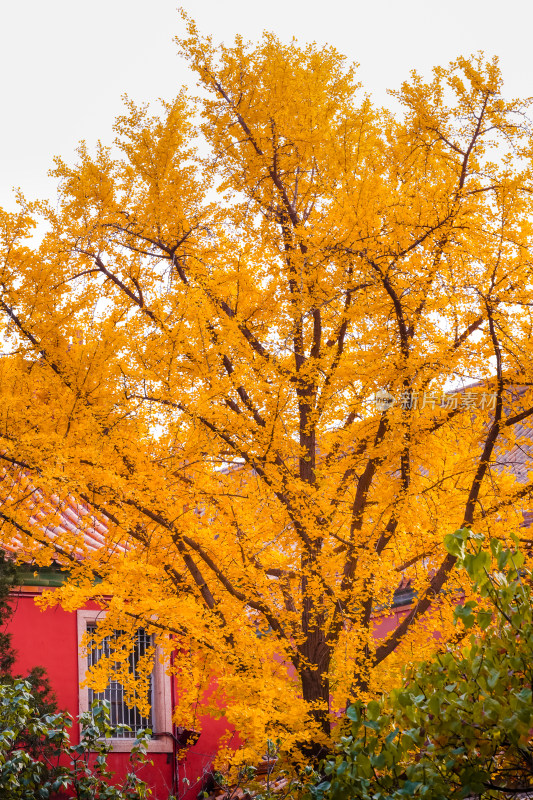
x: 64, y: 64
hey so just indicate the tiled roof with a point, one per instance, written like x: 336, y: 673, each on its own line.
x: 519, y: 458
x: 49, y: 517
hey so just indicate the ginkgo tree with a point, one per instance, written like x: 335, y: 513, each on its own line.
x: 193, y: 353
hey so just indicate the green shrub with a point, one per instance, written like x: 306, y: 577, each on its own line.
x: 61, y: 769
x: 462, y: 724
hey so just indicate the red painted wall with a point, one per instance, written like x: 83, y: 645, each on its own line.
x: 49, y: 639
x: 385, y: 624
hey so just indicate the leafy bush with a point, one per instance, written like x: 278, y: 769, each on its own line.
x: 61, y: 769
x: 462, y: 724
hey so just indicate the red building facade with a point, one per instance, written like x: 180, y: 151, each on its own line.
x: 50, y: 638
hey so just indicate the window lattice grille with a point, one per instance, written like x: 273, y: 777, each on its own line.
x: 114, y: 692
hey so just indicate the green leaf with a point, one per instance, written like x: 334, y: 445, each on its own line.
x: 484, y: 618
x: 353, y: 713
x: 455, y: 542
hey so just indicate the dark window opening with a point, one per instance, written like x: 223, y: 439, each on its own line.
x: 114, y: 693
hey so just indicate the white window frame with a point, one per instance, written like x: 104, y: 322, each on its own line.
x: 161, y: 691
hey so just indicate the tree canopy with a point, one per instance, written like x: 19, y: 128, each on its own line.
x: 193, y: 351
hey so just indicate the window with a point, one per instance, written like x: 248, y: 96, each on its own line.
x: 160, y: 716
x: 114, y: 692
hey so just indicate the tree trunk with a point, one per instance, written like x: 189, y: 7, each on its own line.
x: 314, y: 675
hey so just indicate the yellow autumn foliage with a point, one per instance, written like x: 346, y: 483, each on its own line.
x: 193, y: 352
